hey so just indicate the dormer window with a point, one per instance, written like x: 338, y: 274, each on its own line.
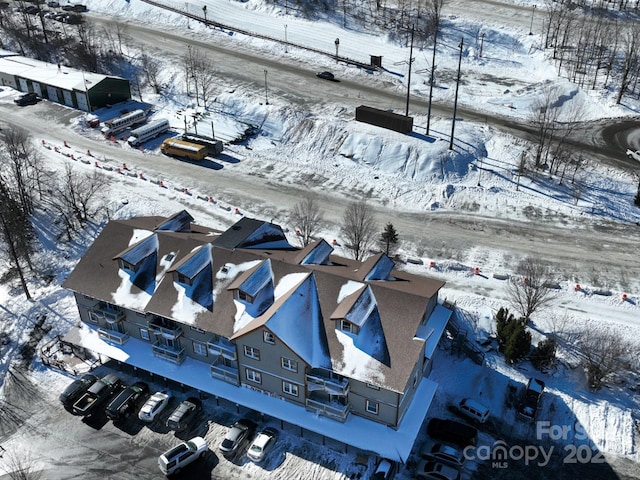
x: 245, y: 297
x: 181, y: 278
x: 129, y: 267
x: 347, y: 326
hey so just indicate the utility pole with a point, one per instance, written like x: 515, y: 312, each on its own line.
x: 337, y: 42
x: 455, y: 101
x: 533, y: 11
x: 406, y: 114
x: 433, y: 70
x: 266, y: 90
x: 285, y: 38
x: 204, y: 10
x: 481, y: 42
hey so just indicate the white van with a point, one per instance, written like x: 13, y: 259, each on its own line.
x: 474, y: 410
x: 175, y: 459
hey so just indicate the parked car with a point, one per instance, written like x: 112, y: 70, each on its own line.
x: 76, y: 389
x: 474, y: 410
x: 443, y: 453
x: 27, y: 99
x: 127, y: 402
x: 385, y: 470
x: 326, y: 75
x: 238, y: 434
x: 264, y: 441
x: 96, y: 395
x: 184, y: 413
x: 154, y: 405
x: 53, y: 4
x: 436, y: 470
x: 31, y: 10
x: 175, y: 459
x: 451, y: 431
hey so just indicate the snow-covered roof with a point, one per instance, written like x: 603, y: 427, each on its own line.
x: 49, y: 73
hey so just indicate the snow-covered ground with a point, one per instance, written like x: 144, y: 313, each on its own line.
x: 409, y: 172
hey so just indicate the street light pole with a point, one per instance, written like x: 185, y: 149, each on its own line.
x: 285, y: 38
x: 337, y: 42
x: 204, y: 10
x: 533, y: 11
x: 481, y: 42
x: 266, y: 90
x: 455, y: 101
x: 433, y: 70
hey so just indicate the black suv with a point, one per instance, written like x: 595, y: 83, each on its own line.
x: 76, y: 389
x: 127, y: 402
x: 452, y: 431
x: 30, y: 98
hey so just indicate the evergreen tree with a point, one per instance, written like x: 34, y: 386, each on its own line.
x: 513, y: 337
x: 388, y: 238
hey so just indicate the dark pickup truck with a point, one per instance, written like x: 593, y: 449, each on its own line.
x: 528, y: 406
x: 97, y: 394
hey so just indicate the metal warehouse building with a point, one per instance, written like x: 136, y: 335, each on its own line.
x: 74, y: 88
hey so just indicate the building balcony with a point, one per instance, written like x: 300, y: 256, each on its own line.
x: 325, y: 381
x: 328, y: 408
x: 223, y: 371
x: 113, y: 336
x: 167, y: 328
x: 222, y: 347
x: 106, y: 313
x: 175, y: 355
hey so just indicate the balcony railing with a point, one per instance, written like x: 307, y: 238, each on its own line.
x: 329, y: 409
x: 175, y: 355
x: 168, y: 330
x: 332, y: 385
x: 222, y: 347
x: 225, y: 372
x: 106, y: 313
x: 113, y: 336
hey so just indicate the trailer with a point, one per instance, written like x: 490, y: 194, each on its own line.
x: 147, y: 132
x: 179, y: 148
x: 121, y: 123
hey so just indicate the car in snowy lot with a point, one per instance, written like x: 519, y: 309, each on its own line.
x: 184, y: 414
x: 237, y: 435
x: 126, y: 402
x: 53, y: 4
x: 76, y: 389
x: 473, y: 410
x: 385, y: 470
x: 326, y: 75
x: 154, y: 405
x: 443, y: 453
x: 175, y: 459
x: 96, y: 395
x: 262, y: 444
x: 437, y: 471
x: 30, y: 98
x: 451, y: 431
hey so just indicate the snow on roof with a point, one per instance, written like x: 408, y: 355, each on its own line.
x: 186, y: 309
x: 193, y: 263
x: 432, y: 331
x: 359, y: 356
x: 49, y: 73
x: 362, y: 307
x: 145, y: 247
x: 348, y: 288
x: 394, y: 444
x: 258, y: 279
x: 124, y: 295
x: 298, y: 320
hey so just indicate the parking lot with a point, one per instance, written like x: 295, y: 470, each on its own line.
x: 33, y: 423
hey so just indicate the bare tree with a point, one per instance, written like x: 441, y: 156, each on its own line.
x: 631, y: 59
x: 359, y: 229
x: 544, y: 116
x: 20, y: 465
x: 204, y: 78
x: 21, y: 166
x: 306, y: 218
x: 604, y: 353
x: 151, y: 68
x: 533, y: 289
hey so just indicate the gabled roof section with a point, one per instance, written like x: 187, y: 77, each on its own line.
x: 296, y: 319
x: 376, y: 267
x: 179, y: 222
x: 252, y: 233
x: 362, y: 307
x: 348, y: 300
x: 134, y: 254
x: 316, y: 253
x: 195, y: 262
x: 252, y: 281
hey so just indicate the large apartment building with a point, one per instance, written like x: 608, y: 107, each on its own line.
x: 339, y: 347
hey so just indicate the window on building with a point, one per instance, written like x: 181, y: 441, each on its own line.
x: 372, y: 407
x: 144, y: 334
x: 253, y: 376
x: 269, y: 337
x: 373, y: 387
x: 345, y: 326
x: 183, y: 279
x: 245, y: 297
x: 289, y: 364
x: 200, y: 349
x: 290, y: 388
x: 251, y: 352
x: 196, y: 329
